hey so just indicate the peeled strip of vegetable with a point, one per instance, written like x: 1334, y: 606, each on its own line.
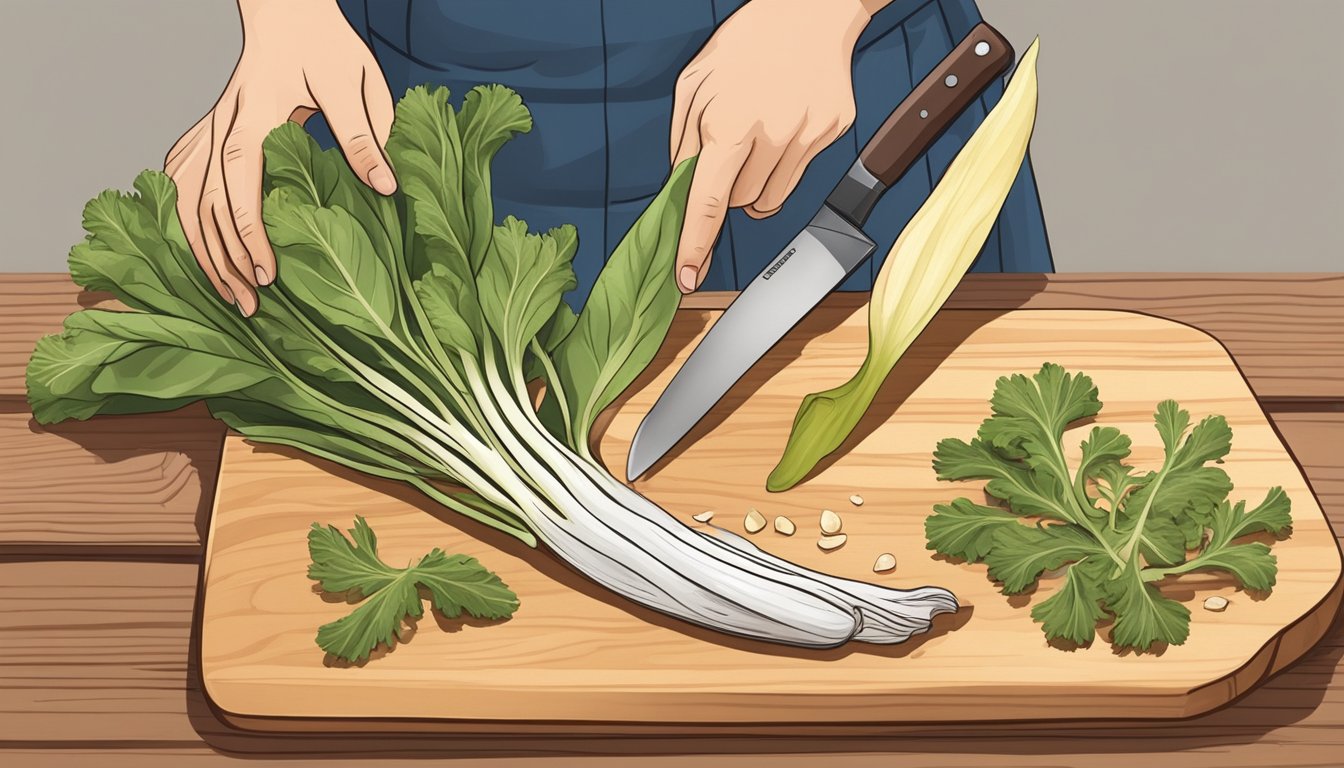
x: 928, y: 260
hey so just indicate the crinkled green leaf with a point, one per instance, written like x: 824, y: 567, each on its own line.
x: 340, y: 564
x: 1073, y: 611
x: 330, y: 266
x: 1021, y: 553
x: 1027, y: 491
x: 442, y: 159
x: 1115, y: 481
x: 127, y: 362
x: 322, y: 178
x: 965, y: 529
x: 294, y: 161
x: 129, y: 252
x: 1144, y: 616
x: 425, y: 147
x: 1126, y: 530
x: 1162, y: 541
x: 456, y: 584
x: 1104, y: 447
x: 377, y: 620
x: 628, y: 312
x: 490, y: 116
x: 521, y: 282
x: 1030, y: 414
x: 1232, y: 521
x: 451, y: 307
x: 1252, y: 563
x: 1172, y: 421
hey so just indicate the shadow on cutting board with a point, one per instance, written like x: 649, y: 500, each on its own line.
x: 1283, y: 702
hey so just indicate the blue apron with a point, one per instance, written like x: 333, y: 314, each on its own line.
x: 598, y: 76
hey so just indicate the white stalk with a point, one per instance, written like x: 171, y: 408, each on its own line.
x: 629, y: 545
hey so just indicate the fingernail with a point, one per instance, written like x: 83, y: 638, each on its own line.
x: 687, y: 278
x: 228, y: 296
x: 382, y: 181
x: 262, y: 277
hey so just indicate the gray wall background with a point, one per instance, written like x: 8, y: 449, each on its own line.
x: 1173, y: 135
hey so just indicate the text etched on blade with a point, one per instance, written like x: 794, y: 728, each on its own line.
x: 775, y: 267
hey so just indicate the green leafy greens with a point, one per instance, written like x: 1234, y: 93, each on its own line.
x: 1114, y: 530
x: 401, y: 338
x: 456, y: 584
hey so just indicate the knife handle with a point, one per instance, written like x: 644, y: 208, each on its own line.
x: 939, y: 98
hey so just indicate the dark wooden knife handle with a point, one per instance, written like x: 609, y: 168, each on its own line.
x: 931, y: 107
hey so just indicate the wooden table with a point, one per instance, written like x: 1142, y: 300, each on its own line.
x: 101, y: 534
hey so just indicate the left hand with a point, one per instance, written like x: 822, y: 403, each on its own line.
x: 769, y: 90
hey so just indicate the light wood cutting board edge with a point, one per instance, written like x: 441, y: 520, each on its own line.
x: 1286, y: 647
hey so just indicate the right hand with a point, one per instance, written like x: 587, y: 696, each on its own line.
x: 299, y: 57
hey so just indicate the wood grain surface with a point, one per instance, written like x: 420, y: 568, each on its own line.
x: 94, y: 651
x: 156, y: 716
x: 135, y: 485
x: 574, y: 653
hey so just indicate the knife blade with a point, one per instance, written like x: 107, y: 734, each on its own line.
x: 827, y: 250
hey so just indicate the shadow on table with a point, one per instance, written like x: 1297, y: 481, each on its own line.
x: 169, y: 459
x: 1282, y: 702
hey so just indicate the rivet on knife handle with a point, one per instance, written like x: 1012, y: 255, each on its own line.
x: 939, y: 98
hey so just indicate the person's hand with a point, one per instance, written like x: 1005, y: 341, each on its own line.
x: 299, y: 57
x: 768, y: 92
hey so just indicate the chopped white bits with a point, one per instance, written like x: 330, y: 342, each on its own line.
x: 856, y: 500
x: 885, y: 562
x: 704, y: 517
x: 785, y: 526
x: 1217, y: 604
x: 754, y: 522
x: 830, y: 522
x: 827, y: 543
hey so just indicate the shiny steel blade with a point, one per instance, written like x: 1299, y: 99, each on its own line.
x: 808, y: 268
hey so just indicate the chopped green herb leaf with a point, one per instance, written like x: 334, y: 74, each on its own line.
x: 456, y: 584
x: 1114, y: 532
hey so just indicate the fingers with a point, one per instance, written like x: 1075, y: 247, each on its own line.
x: 761, y: 162
x: 241, y: 162
x: 685, y: 112
x: 223, y: 246
x: 782, y: 179
x: 188, y: 172
x: 353, y: 126
x: 706, y: 205
x: 378, y: 100
x: 177, y: 154
x: 187, y: 163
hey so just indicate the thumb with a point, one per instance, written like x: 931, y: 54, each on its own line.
x: 348, y: 117
x: 706, y: 205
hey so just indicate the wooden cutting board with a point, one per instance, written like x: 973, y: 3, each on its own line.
x: 575, y: 658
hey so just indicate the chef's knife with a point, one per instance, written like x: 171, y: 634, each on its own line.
x: 824, y: 253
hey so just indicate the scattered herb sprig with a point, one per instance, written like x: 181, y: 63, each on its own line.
x: 456, y: 584
x: 1114, y: 529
